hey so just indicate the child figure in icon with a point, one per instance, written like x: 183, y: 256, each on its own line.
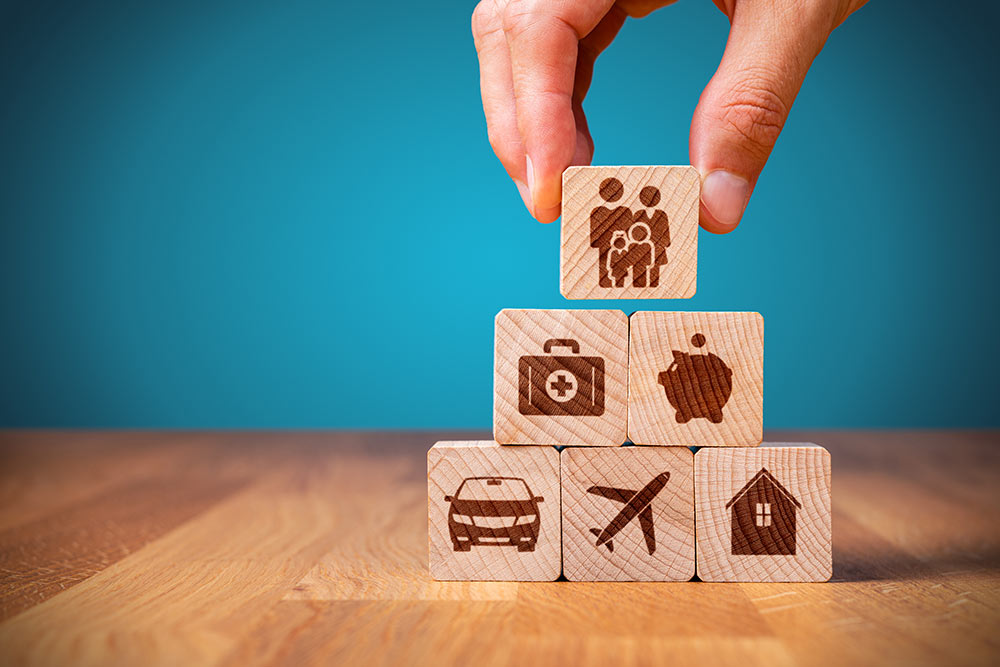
x: 629, y: 243
x: 617, y: 262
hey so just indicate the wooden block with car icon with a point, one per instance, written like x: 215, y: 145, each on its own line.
x: 493, y: 512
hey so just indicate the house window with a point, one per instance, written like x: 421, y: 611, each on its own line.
x: 763, y: 514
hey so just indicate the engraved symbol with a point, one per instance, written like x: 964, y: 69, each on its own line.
x: 561, y: 385
x: 493, y: 511
x: 637, y: 504
x: 697, y: 385
x: 763, y: 518
x: 629, y: 243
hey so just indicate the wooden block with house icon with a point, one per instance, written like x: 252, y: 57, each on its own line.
x: 493, y: 512
x: 763, y: 513
x: 628, y: 513
x: 696, y: 379
x: 560, y: 377
x: 629, y: 232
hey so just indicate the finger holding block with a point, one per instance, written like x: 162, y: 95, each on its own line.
x: 493, y: 512
x: 764, y: 513
x: 696, y: 379
x: 629, y: 232
x: 560, y: 377
x: 628, y: 513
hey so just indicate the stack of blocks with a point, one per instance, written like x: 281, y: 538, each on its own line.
x: 629, y: 448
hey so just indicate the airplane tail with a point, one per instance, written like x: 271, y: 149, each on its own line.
x: 597, y: 533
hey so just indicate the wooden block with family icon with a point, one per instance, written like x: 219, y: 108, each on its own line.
x: 629, y: 232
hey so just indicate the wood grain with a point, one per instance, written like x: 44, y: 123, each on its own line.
x: 687, y: 351
x: 523, y: 335
x: 479, y: 485
x: 652, y: 212
x: 786, y: 533
x: 586, y: 472
x: 320, y: 557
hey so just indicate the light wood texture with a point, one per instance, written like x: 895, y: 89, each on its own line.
x: 764, y: 514
x: 477, y: 494
x: 660, y: 478
x: 681, y: 393
x: 314, y: 552
x: 653, y: 210
x: 548, y: 393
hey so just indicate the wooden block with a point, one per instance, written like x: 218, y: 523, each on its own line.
x: 560, y: 377
x: 696, y: 379
x: 493, y: 512
x: 629, y: 232
x: 763, y: 514
x: 628, y: 513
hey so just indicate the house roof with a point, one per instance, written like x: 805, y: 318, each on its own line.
x: 756, y: 478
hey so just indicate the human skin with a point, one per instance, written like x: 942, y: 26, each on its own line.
x: 536, y: 61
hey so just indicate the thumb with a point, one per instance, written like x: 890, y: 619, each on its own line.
x: 745, y: 105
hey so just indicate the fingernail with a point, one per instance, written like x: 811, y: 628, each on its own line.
x: 525, y: 193
x: 725, y: 196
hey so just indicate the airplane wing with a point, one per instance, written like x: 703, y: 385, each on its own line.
x: 648, y: 531
x: 611, y: 493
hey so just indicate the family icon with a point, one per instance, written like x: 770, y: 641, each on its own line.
x: 629, y: 243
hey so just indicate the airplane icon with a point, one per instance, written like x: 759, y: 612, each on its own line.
x: 637, y: 504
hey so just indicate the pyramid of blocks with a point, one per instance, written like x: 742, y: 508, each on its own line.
x: 629, y: 448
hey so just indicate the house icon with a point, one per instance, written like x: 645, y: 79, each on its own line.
x: 763, y: 518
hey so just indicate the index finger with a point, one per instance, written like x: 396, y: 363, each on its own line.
x: 543, y: 38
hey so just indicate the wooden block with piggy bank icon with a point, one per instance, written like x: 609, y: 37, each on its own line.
x: 696, y: 379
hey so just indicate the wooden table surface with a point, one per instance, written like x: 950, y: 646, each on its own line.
x: 311, y: 548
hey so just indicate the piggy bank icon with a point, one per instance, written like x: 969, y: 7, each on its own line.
x: 697, y: 385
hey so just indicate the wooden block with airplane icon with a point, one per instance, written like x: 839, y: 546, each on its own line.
x: 493, y: 512
x: 560, y: 377
x: 629, y: 232
x: 763, y: 513
x: 628, y: 514
x: 696, y: 379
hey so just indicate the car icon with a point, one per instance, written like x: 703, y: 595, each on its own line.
x: 496, y: 511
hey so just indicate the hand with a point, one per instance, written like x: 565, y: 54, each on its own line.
x: 536, y: 60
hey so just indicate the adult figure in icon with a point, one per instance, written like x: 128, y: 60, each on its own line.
x: 604, y: 222
x: 659, y: 232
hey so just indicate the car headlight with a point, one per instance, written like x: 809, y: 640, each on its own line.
x: 527, y: 518
x: 461, y: 518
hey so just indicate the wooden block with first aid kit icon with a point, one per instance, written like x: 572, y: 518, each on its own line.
x: 560, y: 377
x: 628, y: 513
x: 493, y: 512
x: 629, y: 232
x: 764, y: 513
x: 696, y: 379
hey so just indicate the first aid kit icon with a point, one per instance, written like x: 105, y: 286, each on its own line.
x: 561, y: 385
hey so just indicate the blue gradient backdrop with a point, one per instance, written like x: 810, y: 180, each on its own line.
x: 243, y: 214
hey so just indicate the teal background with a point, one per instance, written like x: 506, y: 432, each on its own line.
x: 244, y: 214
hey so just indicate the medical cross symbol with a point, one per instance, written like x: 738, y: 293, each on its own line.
x: 561, y: 386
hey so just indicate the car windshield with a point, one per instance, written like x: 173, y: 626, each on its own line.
x: 494, y: 488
